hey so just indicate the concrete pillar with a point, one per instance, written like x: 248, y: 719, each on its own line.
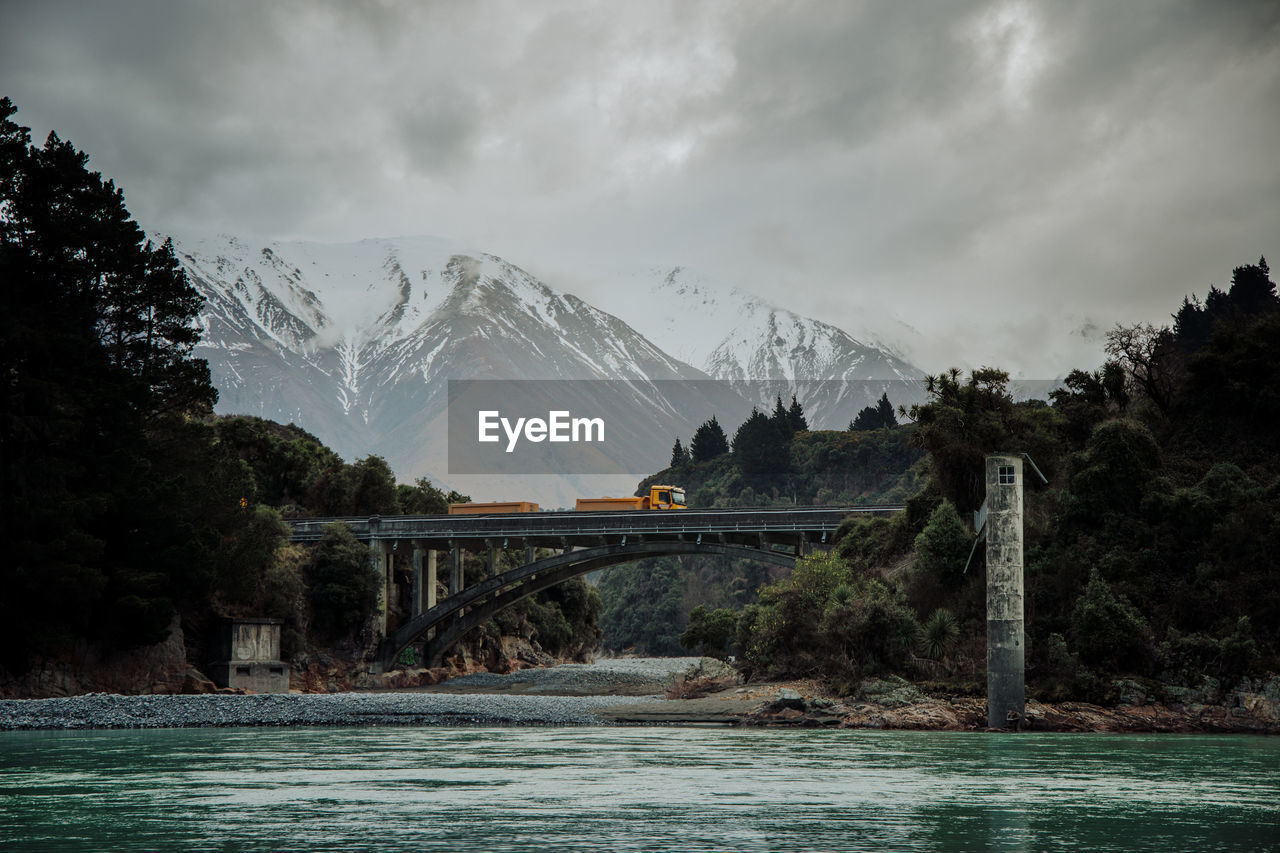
x: 528, y: 553
x: 456, y: 580
x: 491, y: 561
x: 1006, y: 646
x: 418, y: 549
x: 382, y: 562
x: 430, y: 579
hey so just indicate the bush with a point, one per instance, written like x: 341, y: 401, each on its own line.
x: 710, y: 632
x: 874, y: 630
x: 944, y: 545
x: 940, y: 634
x: 344, y: 583
x: 1108, y: 631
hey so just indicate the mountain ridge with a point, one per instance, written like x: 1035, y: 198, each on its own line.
x: 355, y: 342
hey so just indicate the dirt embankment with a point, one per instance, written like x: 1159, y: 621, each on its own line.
x: 896, y: 704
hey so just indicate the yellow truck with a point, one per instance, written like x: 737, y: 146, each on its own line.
x: 493, y: 507
x: 659, y: 497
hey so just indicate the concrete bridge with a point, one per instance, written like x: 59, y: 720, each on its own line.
x: 406, y: 553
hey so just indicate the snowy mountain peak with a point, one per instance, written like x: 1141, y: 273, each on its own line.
x: 356, y: 342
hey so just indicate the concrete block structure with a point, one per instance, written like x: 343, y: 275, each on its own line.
x: 252, y: 657
x: 1006, y: 636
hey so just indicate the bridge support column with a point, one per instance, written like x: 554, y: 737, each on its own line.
x: 491, y: 562
x: 430, y: 579
x: 528, y: 553
x: 455, y: 568
x: 1006, y: 649
x: 419, y: 551
x: 383, y: 563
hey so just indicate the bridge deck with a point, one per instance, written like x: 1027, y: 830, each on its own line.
x: 542, y: 528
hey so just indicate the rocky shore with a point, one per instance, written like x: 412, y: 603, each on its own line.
x: 565, y: 695
x: 652, y: 691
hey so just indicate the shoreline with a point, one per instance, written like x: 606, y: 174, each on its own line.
x: 630, y: 691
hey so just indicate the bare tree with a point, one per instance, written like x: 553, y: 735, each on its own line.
x: 1148, y: 356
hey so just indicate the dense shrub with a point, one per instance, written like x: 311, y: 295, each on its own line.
x: 344, y: 583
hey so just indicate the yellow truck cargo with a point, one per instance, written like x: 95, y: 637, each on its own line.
x: 659, y: 497
x: 492, y: 507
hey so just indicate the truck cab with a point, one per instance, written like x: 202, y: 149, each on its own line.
x: 667, y: 497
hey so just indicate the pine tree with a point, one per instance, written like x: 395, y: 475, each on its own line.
x: 796, y: 415
x: 96, y: 332
x: 709, y: 441
x: 1251, y: 288
x: 884, y: 409
x: 759, y: 447
x: 678, y: 455
x: 781, y: 420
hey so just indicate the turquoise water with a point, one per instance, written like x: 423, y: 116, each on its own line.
x: 590, y: 789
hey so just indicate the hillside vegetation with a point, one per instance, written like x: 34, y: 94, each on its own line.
x: 771, y: 461
x: 128, y: 508
x: 1153, y: 553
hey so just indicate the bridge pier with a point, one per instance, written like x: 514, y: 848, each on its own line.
x: 383, y: 562
x: 424, y: 576
x: 456, y: 579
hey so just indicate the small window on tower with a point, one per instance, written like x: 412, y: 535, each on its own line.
x: 1006, y: 476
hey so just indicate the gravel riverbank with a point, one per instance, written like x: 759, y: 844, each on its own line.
x: 566, y: 695
x: 110, y: 711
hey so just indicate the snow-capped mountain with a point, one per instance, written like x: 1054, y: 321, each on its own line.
x: 357, y: 342
x: 762, y: 349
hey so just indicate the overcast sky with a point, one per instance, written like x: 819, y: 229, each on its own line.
x: 1010, y: 179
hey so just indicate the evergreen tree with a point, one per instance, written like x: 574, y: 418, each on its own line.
x: 344, y: 582
x: 759, y: 447
x: 678, y: 455
x: 781, y: 420
x: 879, y: 416
x: 796, y: 415
x: 884, y: 409
x: 96, y: 331
x: 1251, y: 288
x: 709, y: 441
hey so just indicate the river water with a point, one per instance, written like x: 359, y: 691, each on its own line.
x: 593, y: 789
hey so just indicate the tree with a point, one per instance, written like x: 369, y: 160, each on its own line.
x: 1108, y: 631
x: 943, y: 545
x: 1086, y: 399
x: 710, y: 632
x: 97, y: 327
x: 1111, y: 473
x: 344, y: 583
x: 1147, y: 355
x: 796, y: 415
x: 885, y: 409
x: 961, y: 424
x: 879, y: 416
x: 781, y: 420
x: 758, y: 447
x: 422, y: 498
x: 709, y: 441
x: 1252, y: 289
x: 679, y: 456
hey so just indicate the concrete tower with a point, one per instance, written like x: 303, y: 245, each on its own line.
x: 1006, y: 646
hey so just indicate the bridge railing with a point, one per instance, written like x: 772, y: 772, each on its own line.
x: 552, y: 524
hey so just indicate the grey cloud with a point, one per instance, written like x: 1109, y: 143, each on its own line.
x: 843, y: 158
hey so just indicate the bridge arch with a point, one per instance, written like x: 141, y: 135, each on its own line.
x: 460, y: 613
